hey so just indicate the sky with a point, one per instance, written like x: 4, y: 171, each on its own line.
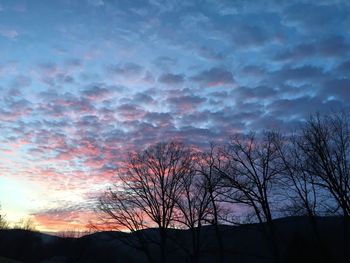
x: 83, y: 82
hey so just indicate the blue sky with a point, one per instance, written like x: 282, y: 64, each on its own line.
x: 83, y: 82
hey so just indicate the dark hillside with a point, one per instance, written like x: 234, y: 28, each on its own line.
x: 246, y: 243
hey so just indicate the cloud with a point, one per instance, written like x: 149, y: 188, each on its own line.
x: 159, y: 119
x: 21, y: 81
x: 53, y: 74
x: 59, y: 105
x: 329, y: 46
x: 98, y: 91
x: 65, y: 218
x: 143, y: 98
x: 185, y: 103
x: 125, y: 70
x: 210, y: 54
x: 130, y: 112
x: 165, y: 62
x: 312, y: 17
x: 302, y: 73
x: 258, y: 93
x: 300, y: 51
x: 337, y: 88
x: 214, y: 77
x: 344, y: 67
x: 253, y: 70
x: 169, y: 78
x: 14, y: 109
x: 334, y: 46
x: 285, y: 108
x: 249, y: 36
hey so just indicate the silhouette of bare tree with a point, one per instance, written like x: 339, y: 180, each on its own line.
x: 149, y: 187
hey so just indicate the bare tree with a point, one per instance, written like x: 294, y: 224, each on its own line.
x: 209, y: 167
x: 121, y: 213
x: 251, y: 170
x: 297, y: 184
x: 25, y: 224
x: 325, y: 146
x: 3, y: 222
x: 194, y: 208
x: 302, y: 195
x: 149, y: 187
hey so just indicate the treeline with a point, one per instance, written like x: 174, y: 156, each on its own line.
x: 23, y: 223
x: 249, y: 178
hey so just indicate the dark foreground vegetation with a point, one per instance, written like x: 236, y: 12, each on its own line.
x: 246, y: 243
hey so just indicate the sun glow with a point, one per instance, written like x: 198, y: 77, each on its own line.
x: 17, y: 198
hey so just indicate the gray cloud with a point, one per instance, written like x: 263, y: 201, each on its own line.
x: 214, y: 77
x: 126, y: 70
x: 169, y: 78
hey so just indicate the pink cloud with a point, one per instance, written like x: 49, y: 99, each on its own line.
x: 62, y: 220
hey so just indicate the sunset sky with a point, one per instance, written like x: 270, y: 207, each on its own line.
x: 83, y: 82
